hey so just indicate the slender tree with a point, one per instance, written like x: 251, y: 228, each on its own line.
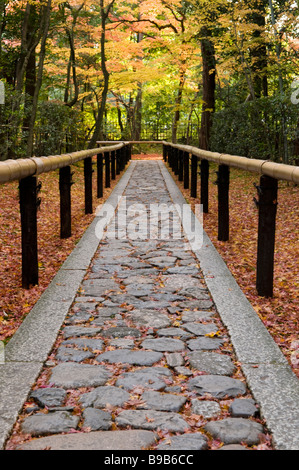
x: 208, y: 88
x: 45, y: 24
x: 98, y: 130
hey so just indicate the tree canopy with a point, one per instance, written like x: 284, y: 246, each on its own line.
x: 219, y: 74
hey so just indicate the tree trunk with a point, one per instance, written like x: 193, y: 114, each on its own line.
x: 30, y: 85
x: 71, y: 68
x: 120, y: 123
x: 178, y: 102
x: 30, y: 37
x: 138, y: 103
x: 30, y: 72
x: 259, y: 49
x: 2, y: 21
x: 72, y: 60
x: 193, y: 104
x: 137, y: 115
x: 209, y: 85
x: 45, y: 28
x: 98, y: 130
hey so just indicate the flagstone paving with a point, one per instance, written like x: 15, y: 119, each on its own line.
x: 142, y: 360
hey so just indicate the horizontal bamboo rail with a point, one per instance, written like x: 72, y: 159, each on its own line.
x: 15, y: 170
x: 278, y: 171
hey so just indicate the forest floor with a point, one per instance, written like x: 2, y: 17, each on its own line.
x: 279, y: 314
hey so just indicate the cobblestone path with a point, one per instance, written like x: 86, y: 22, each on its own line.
x: 142, y: 360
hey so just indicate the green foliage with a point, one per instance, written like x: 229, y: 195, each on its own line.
x: 254, y: 129
x: 11, y: 115
x: 60, y: 129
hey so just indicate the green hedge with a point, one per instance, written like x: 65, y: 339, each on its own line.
x: 255, y: 129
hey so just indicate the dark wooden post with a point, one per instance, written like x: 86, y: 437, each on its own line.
x: 28, y: 207
x: 176, y: 161
x: 122, y: 158
x: 107, y: 169
x: 129, y: 152
x: 113, y: 162
x: 173, y: 158
x: 267, y: 205
x: 193, y: 176
x: 186, y: 170
x: 65, y: 183
x: 204, y: 185
x: 181, y: 165
x: 170, y: 157
x: 100, y: 175
x: 88, y: 185
x: 223, y: 203
x: 118, y: 163
x: 126, y: 153
x: 164, y: 153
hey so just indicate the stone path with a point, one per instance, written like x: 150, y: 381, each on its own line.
x: 143, y: 360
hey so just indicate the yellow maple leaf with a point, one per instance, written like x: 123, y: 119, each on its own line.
x: 213, y: 334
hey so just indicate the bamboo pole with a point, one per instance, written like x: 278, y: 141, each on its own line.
x: 15, y: 170
x: 279, y: 171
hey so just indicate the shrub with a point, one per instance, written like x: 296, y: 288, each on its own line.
x: 255, y: 129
